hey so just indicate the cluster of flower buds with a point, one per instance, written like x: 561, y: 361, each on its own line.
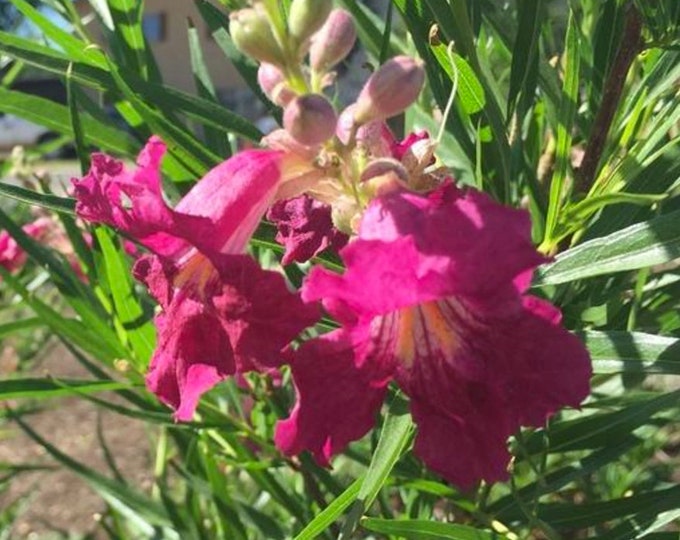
x: 353, y: 150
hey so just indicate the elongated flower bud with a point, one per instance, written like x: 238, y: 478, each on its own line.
x: 273, y: 84
x: 392, y: 88
x: 252, y: 34
x: 333, y: 42
x: 307, y: 16
x: 310, y: 119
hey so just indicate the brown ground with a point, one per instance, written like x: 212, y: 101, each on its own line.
x: 60, y: 500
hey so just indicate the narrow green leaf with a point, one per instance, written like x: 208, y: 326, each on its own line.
x: 127, y: 31
x: 395, y: 435
x: 217, y: 140
x: 76, y: 124
x: 571, y: 516
x: 419, y: 529
x: 10, y: 328
x: 602, y: 429
x: 181, y: 143
x: 172, y: 100
x: 633, y: 352
x: 470, y: 91
x: 72, y: 46
x: 57, y: 117
x: 567, y: 114
x: 656, y: 241
x: 136, y: 324
x: 525, y: 49
x: 50, y: 388
x: 331, y: 513
x: 62, y: 205
x: 99, y: 345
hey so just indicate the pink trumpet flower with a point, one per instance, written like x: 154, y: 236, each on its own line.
x: 221, y: 314
x: 434, y: 299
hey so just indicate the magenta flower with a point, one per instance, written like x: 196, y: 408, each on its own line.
x: 221, y: 313
x: 433, y: 298
x: 12, y: 257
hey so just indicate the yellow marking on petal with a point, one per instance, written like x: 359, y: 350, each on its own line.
x: 406, y: 343
x: 196, y: 271
x: 438, y: 325
x: 421, y: 330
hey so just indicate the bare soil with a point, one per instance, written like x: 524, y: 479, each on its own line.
x: 58, y: 500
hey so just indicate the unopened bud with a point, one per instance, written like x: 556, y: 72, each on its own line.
x: 384, y: 176
x: 273, y: 84
x: 252, y: 34
x: 390, y: 90
x: 375, y: 137
x: 307, y: 16
x: 310, y: 119
x: 333, y: 42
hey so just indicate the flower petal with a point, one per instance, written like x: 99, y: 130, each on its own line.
x: 414, y: 249
x: 235, y: 318
x: 476, y: 383
x: 220, y: 213
x: 305, y: 228
x: 193, y: 355
x: 337, y: 400
x: 131, y: 201
x: 233, y: 197
x: 258, y: 311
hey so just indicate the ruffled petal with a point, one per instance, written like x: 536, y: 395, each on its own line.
x: 305, y: 228
x: 337, y: 398
x: 462, y: 450
x: 475, y: 378
x: 220, y: 213
x: 229, y: 316
x: 258, y: 311
x: 12, y: 256
x: 414, y: 249
x: 192, y: 356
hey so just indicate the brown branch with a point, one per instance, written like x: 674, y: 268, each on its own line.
x: 629, y: 47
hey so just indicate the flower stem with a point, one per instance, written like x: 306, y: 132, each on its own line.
x: 629, y: 47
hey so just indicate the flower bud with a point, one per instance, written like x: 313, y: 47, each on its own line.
x: 310, y: 119
x: 384, y: 176
x: 307, y: 16
x: 252, y: 34
x: 374, y: 137
x: 273, y: 84
x: 333, y: 42
x: 393, y: 87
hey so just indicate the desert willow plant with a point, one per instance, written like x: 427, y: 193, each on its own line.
x: 464, y: 327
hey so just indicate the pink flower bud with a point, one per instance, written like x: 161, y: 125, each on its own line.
x: 333, y: 42
x: 252, y: 34
x: 393, y: 87
x: 307, y: 16
x: 310, y: 119
x: 273, y: 84
x: 375, y: 137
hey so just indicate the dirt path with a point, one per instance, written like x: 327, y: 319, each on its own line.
x: 59, y: 500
